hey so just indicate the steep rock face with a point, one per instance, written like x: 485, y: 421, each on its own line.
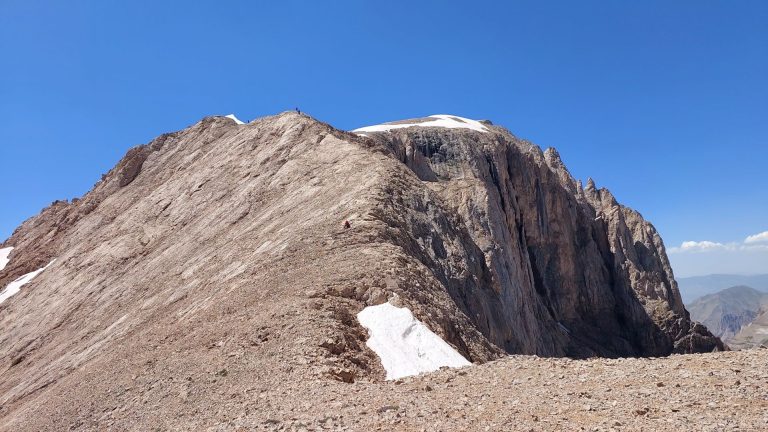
x: 573, y: 272
x: 217, y: 256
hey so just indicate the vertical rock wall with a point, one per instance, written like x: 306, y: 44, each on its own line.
x: 572, y: 271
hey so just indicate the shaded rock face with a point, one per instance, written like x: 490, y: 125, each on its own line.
x: 219, y: 254
x: 571, y: 271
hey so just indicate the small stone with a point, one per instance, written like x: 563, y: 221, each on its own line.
x: 386, y: 408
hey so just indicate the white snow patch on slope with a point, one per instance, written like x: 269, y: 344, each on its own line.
x: 16, y: 285
x: 4, y: 252
x: 404, y: 344
x: 232, y: 116
x: 440, y: 120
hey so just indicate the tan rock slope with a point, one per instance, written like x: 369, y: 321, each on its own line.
x: 209, y: 275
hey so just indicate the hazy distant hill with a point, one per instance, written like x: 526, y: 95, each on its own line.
x: 694, y: 287
x: 726, y: 312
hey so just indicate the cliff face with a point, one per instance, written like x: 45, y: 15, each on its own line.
x: 218, y: 255
x: 572, y: 271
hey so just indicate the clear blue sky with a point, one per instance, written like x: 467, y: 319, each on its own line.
x: 665, y: 103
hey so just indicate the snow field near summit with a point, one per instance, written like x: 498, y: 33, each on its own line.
x: 15, y: 286
x: 439, y: 120
x: 4, y: 252
x: 237, y: 120
x: 404, y: 344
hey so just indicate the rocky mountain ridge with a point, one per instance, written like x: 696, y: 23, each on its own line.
x: 222, y: 251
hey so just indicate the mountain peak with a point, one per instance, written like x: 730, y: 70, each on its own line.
x: 742, y: 289
x: 224, y: 253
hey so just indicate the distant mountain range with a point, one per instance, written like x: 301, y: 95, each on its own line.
x: 738, y: 315
x: 733, y: 307
x: 691, y: 288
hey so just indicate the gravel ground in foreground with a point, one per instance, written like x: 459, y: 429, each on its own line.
x: 704, y: 392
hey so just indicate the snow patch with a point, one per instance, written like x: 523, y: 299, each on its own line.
x: 404, y: 344
x: 16, y: 285
x: 4, y: 252
x: 232, y: 116
x: 437, y: 120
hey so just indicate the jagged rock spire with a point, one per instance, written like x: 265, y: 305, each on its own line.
x: 590, y: 184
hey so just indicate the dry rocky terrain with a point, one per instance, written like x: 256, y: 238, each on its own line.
x: 704, y: 392
x: 208, y: 282
x: 726, y: 391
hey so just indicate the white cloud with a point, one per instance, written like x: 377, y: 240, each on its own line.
x: 707, y: 257
x: 699, y: 246
x: 757, y: 238
x: 757, y: 242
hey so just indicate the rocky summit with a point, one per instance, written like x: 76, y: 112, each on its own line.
x: 213, y: 280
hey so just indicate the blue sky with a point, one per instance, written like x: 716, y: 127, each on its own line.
x: 665, y: 103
